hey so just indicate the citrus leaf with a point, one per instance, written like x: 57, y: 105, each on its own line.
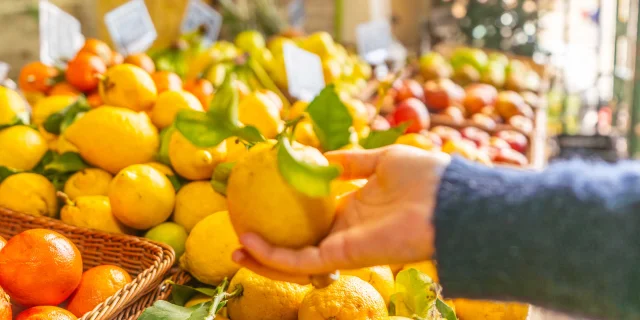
x: 163, y: 310
x: 202, y: 129
x: 445, y: 310
x: 176, y: 181
x: 201, y: 312
x: 67, y: 162
x: 5, y: 172
x: 310, y: 179
x: 14, y: 122
x: 249, y: 134
x: 331, y: 119
x: 45, y: 160
x: 180, y: 294
x: 165, y: 138
x: 225, y: 103
x: 415, y: 294
x: 57, y: 122
x: 379, y: 139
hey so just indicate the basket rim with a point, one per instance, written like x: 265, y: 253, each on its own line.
x: 143, y: 283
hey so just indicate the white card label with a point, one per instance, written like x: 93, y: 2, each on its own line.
x: 374, y: 41
x: 296, y: 14
x: 201, y: 14
x: 304, y: 73
x: 60, y: 34
x: 131, y: 27
x: 4, y: 70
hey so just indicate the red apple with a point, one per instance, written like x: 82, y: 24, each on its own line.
x: 515, y: 139
x: 522, y: 123
x: 434, y: 137
x: 479, y: 95
x: 478, y: 136
x: 484, y: 121
x: 454, y: 114
x: 512, y: 157
x: 380, y: 124
x: 510, y: 103
x: 446, y: 133
x: 442, y: 93
x: 414, y: 111
x: 408, y: 88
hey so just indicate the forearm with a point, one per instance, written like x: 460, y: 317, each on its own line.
x: 567, y: 238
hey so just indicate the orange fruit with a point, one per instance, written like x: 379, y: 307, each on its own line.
x: 94, y: 99
x: 166, y: 80
x: 48, y: 265
x: 96, y: 286
x: 64, y: 89
x: 46, y: 313
x: 5, y: 306
x: 202, y: 89
x: 84, y: 70
x: 116, y: 59
x: 141, y: 60
x: 37, y: 77
x: 98, y: 48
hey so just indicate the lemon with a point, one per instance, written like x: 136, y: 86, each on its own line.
x: 207, y: 257
x: 305, y: 134
x: 265, y: 299
x: 380, y: 277
x: 128, y: 86
x: 29, y: 193
x: 141, y: 196
x: 48, y: 106
x: 332, y: 70
x: 427, y: 267
x: 276, y: 44
x: 113, y: 138
x: 93, y: 212
x: 349, y: 298
x: 21, y: 147
x: 169, y: 103
x: 320, y: 43
x: 250, y: 40
x: 195, y: 201
x: 279, y: 73
x: 62, y: 145
x: 263, y: 56
x: 192, y: 162
x: 162, y: 168
x: 297, y: 109
x: 359, y: 113
x: 12, y: 107
x: 235, y: 149
x: 171, y: 234
x: 261, y: 201
x: 258, y: 110
x: 88, y: 182
x: 362, y: 70
x: 198, y: 299
x: 416, y: 140
x: 489, y: 310
x: 341, y: 188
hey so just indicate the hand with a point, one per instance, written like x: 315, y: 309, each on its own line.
x: 388, y: 221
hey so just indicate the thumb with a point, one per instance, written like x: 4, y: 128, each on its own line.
x: 356, y: 164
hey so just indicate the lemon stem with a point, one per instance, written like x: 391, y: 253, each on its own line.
x: 65, y: 198
x: 221, y: 298
x: 320, y: 281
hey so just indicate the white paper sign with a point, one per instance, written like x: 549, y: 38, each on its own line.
x: 374, y: 41
x: 4, y: 70
x: 131, y: 27
x: 198, y: 14
x: 296, y: 14
x: 304, y: 73
x: 60, y: 34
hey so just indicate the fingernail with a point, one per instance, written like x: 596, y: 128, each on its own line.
x: 238, y: 255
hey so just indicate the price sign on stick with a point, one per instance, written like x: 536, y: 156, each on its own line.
x: 296, y: 14
x: 304, y: 72
x: 198, y: 14
x: 60, y: 34
x: 374, y: 40
x: 130, y: 27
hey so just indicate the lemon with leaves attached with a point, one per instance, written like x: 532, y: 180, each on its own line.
x: 380, y: 277
x: 305, y: 134
x: 259, y: 110
x: 236, y: 149
x: 169, y: 103
x: 427, y: 267
x: 141, y: 197
x: 195, y: 201
x: 48, y: 106
x: 88, y: 182
x: 29, y: 193
x: 261, y: 201
x: 192, y: 162
x: 208, y: 258
x: 13, y: 107
x: 21, y: 147
x: 93, y: 212
x: 320, y: 43
x: 112, y: 138
x: 265, y: 299
x: 349, y: 298
x: 128, y: 86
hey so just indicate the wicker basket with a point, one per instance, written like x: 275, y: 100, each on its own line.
x: 147, y: 261
x: 162, y: 292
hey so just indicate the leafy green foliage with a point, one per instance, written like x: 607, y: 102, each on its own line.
x: 58, y: 122
x: 59, y: 167
x: 221, y: 176
x: 331, y: 119
x: 165, y: 139
x: 379, y: 139
x: 310, y: 179
x: 14, y: 122
x: 445, y: 310
x: 164, y: 310
x: 415, y: 295
x: 6, y: 172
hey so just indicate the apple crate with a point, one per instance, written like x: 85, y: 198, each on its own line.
x: 146, y: 261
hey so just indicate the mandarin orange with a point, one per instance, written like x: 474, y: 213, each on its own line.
x: 97, y: 284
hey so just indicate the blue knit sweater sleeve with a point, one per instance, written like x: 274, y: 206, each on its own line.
x: 567, y: 238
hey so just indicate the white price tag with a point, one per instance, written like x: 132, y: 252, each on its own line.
x: 199, y: 13
x: 304, y: 73
x: 374, y: 41
x: 60, y: 34
x: 131, y: 27
x: 296, y: 13
x: 4, y: 70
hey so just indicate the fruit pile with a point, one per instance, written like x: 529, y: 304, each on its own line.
x: 52, y: 277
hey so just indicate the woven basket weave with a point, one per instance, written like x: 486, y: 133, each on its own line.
x: 146, y: 261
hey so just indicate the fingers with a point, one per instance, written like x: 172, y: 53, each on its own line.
x: 356, y: 164
x: 243, y: 258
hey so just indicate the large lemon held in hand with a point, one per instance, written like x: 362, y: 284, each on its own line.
x: 113, y: 138
x: 261, y: 201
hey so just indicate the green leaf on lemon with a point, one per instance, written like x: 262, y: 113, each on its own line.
x: 379, y: 139
x: 14, y: 122
x: 445, y: 310
x: 58, y: 122
x: 415, y: 294
x: 164, y: 310
x: 165, y: 138
x: 331, y: 119
x: 310, y: 179
x: 68, y: 162
x: 6, y: 172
